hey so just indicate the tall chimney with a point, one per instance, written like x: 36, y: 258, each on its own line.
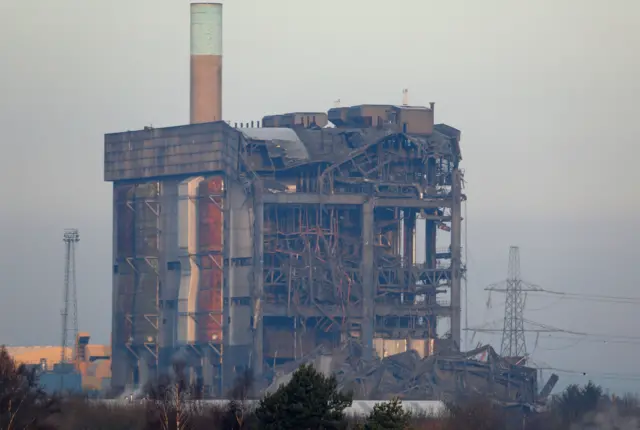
x: 405, y: 97
x: 206, y: 62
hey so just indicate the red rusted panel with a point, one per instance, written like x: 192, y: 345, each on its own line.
x: 210, y: 225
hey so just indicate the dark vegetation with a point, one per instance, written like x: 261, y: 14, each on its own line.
x: 309, y: 401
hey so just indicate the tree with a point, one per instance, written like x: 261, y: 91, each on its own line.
x: 22, y: 403
x: 169, y: 408
x: 388, y: 416
x: 237, y: 414
x: 309, y: 401
x: 575, y: 402
x: 474, y: 414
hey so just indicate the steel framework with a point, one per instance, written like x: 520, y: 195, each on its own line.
x: 513, y: 340
x: 249, y: 247
x: 515, y: 288
x: 70, y: 305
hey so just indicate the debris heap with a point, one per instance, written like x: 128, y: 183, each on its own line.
x: 406, y: 375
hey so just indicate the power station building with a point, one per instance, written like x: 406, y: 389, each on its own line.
x: 246, y: 247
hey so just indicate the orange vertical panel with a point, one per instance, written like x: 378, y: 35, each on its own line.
x: 210, y: 226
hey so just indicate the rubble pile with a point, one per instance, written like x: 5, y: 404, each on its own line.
x: 408, y: 376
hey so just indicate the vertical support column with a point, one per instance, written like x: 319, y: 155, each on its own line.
x: 430, y: 242
x: 408, y: 254
x: 157, y: 269
x: 208, y: 374
x: 119, y: 355
x: 430, y: 262
x: 238, y: 342
x: 169, y: 276
x: 430, y: 225
x: 258, y: 279
x: 369, y: 278
x: 226, y: 363
x: 145, y: 369
x: 456, y: 257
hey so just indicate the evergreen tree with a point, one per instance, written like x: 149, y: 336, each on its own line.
x: 388, y: 416
x: 309, y: 401
x: 575, y: 402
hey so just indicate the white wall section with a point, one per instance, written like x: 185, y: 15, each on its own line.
x: 188, y: 248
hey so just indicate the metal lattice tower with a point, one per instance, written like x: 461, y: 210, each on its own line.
x: 513, y: 340
x: 70, y: 310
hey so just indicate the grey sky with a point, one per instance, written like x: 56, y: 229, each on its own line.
x: 543, y: 90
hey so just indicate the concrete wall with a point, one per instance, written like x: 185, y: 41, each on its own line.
x: 183, y: 150
x: 238, y: 337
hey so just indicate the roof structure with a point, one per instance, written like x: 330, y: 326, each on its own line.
x: 33, y: 354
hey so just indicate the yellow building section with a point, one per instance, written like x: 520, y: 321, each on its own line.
x: 34, y: 354
x: 386, y: 347
x: 93, y: 362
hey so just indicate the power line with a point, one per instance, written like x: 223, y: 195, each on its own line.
x: 546, y: 306
x: 550, y: 328
x: 603, y: 375
x: 590, y: 297
x: 582, y: 336
x: 598, y: 296
x: 536, y: 289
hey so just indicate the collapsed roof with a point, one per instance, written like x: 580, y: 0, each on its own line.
x: 444, y: 377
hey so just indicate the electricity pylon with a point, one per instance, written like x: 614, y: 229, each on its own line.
x: 513, y: 339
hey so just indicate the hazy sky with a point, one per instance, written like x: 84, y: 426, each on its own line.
x: 543, y: 91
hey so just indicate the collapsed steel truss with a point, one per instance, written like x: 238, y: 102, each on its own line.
x: 339, y: 243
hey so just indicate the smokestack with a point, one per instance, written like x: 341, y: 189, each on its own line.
x: 405, y: 97
x: 206, y: 62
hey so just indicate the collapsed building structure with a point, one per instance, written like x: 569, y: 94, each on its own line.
x: 252, y: 246
x: 446, y: 376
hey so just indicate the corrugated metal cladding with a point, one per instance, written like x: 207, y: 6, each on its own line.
x: 137, y: 209
x: 123, y: 272
x: 206, y: 29
x: 200, y: 224
x: 189, y: 270
x: 210, y: 227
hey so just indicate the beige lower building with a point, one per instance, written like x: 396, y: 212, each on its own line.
x: 92, y: 361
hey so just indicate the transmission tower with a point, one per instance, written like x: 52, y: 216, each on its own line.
x: 70, y: 310
x: 513, y: 339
